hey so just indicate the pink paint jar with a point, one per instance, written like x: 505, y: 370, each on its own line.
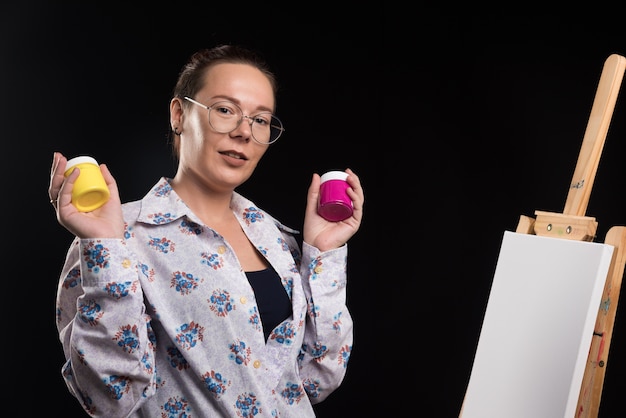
x: 334, y: 203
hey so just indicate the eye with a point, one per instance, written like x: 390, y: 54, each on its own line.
x: 225, y: 109
x: 263, y: 119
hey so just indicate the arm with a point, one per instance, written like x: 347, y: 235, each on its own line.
x: 329, y: 333
x: 100, y: 312
x: 104, y: 330
x: 328, y: 337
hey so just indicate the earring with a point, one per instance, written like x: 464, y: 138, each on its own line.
x: 176, y: 132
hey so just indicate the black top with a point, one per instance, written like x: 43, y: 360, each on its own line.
x: 271, y: 298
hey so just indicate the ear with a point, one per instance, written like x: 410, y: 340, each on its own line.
x: 176, y: 114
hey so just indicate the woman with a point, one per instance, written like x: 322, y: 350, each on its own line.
x: 193, y: 301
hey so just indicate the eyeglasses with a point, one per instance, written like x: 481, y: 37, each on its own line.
x: 226, y: 116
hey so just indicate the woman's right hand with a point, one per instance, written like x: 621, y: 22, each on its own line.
x: 105, y: 222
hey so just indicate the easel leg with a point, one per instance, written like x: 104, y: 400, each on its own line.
x: 593, y: 379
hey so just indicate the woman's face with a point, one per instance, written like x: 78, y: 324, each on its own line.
x: 223, y: 161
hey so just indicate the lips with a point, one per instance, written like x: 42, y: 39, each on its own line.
x: 234, y: 154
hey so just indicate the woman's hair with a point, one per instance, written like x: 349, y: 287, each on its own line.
x: 191, y: 76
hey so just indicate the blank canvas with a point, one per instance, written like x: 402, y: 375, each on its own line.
x: 537, y: 329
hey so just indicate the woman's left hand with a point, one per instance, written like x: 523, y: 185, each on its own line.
x: 326, y: 235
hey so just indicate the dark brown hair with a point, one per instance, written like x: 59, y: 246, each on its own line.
x: 191, y: 76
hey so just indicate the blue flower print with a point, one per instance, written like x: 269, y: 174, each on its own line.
x: 90, y: 312
x: 161, y: 218
x: 344, y: 355
x: 176, y: 359
x: 118, y: 386
x: 163, y: 245
x: 319, y: 351
x: 72, y: 279
x: 184, y: 283
x: 252, y: 215
x: 312, y: 388
x: 247, y: 405
x: 315, y: 266
x: 128, y: 338
x: 96, y: 256
x: 292, y: 393
x: 162, y: 190
x: 220, y: 302
x: 147, y: 272
x: 189, y: 335
x: 215, y: 383
x: 337, y: 322
x: 190, y: 228
x: 239, y: 353
x: 120, y: 290
x: 176, y: 408
x: 255, y: 319
x: 284, y: 333
x: 212, y: 260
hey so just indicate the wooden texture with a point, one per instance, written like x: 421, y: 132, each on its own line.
x: 595, y: 135
x: 593, y: 379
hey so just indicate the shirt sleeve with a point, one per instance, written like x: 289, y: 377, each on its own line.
x: 329, y: 330
x: 101, y: 321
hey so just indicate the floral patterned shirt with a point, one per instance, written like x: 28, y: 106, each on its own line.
x: 164, y: 323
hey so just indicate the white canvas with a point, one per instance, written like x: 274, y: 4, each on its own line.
x: 537, y: 329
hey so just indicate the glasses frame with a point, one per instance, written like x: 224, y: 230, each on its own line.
x: 250, y: 119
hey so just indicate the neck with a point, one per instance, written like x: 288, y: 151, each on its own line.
x: 209, y: 204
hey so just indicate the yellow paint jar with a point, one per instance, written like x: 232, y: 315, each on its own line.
x: 90, y: 190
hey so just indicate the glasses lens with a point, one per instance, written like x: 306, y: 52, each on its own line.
x: 224, y: 117
x: 266, y: 128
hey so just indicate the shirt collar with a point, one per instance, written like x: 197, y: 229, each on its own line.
x: 161, y: 205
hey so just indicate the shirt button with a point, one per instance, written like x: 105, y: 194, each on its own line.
x: 256, y: 364
x: 221, y: 249
x: 126, y: 263
x: 243, y: 300
x: 317, y: 269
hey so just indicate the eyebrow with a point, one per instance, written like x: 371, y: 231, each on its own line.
x: 232, y: 99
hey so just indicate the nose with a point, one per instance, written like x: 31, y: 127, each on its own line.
x: 244, y: 129
x: 248, y: 119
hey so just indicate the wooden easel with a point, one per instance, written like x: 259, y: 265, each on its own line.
x: 574, y: 225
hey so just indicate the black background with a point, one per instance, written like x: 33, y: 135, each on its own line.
x: 457, y: 123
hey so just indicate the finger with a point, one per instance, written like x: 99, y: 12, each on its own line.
x: 55, y: 162
x: 64, y: 195
x: 355, y: 192
x: 53, y: 167
x: 110, y: 181
x: 313, y: 193
x: 56, y: 175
